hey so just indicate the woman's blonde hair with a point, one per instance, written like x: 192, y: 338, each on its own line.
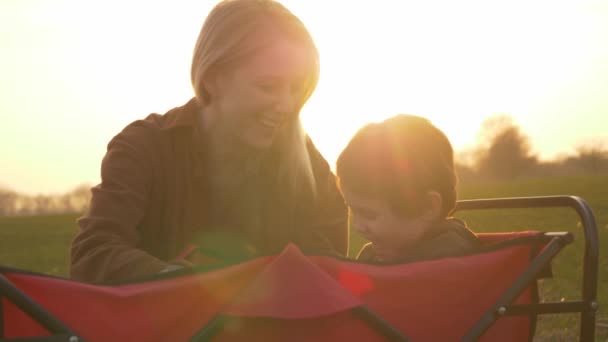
x: 232, y: 32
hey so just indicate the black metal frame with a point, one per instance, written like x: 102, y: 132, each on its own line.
x: 59, y: 330
x: 215, y: 325
x: 587, y: 306
x: 503, y: 307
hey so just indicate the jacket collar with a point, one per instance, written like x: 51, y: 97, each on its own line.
x: 183, y: 116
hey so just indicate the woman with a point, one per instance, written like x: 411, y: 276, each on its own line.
x: 232, y: 162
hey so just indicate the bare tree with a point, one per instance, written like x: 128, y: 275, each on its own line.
x: 80, y: 198
x: 504, y: 151
x: 8, y: 203
x: 75, y: 201
x: 592, y: 156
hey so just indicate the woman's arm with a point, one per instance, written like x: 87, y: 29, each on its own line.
x: 105, y: 247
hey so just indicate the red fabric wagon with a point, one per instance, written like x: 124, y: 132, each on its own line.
x: 490, y: 295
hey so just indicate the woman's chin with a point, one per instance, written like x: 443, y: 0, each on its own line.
x: 259, y: 144
x: 261, y: 138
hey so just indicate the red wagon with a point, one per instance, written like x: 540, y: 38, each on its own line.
x: 490, y: 294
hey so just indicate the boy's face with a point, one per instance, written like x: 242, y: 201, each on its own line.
x: 390, y: 234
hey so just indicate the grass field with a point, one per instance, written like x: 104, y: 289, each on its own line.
x: 41, y: 243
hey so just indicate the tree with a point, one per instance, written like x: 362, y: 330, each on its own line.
x: 504, y: 151
x: 80, y: 198
x: 592, y: 156
x: 7, y: 202
x: 75, y: 201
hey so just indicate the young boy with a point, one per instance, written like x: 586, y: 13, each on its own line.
x: 398, y: 179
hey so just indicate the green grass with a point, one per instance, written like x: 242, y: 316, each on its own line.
x: 566, y: 283
x: 37, y: 243
x: 41, y: 243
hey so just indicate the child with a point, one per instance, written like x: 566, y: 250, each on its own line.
x: 398, y: 179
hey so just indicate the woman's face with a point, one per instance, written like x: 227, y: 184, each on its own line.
x: 253, y: 101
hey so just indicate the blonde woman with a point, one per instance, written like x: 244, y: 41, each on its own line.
x: 231, y: 170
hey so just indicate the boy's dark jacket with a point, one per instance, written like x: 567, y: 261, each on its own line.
x: 450, y: 237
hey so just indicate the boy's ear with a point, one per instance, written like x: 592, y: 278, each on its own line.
x: 434, y: 205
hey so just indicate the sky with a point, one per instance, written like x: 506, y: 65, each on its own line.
x: 73, y: 73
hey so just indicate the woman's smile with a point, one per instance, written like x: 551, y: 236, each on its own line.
x: 271, y: 121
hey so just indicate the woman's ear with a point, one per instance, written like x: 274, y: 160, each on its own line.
x: 210, y: 83
x: 434, y: 205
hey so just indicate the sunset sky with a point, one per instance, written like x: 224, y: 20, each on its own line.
x: 73, y: 73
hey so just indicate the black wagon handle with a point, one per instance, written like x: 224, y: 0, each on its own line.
x: 591, y: 256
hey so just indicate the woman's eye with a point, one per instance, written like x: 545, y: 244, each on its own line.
x: 295, y: 89
x: 268, y: 87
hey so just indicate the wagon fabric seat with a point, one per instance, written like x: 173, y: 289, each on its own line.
x: 291, y: 296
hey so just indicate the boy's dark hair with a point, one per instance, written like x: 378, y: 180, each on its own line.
x: 399, y: 160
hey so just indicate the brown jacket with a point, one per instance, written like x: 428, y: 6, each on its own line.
x: 151, y: 203
x: 451, y: 237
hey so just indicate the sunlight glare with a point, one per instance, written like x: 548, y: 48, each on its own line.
x: 79, y: 72
x: 454, y: 64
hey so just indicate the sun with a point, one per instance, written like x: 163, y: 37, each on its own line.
x: 456, y: 63
x: 453, y: 65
